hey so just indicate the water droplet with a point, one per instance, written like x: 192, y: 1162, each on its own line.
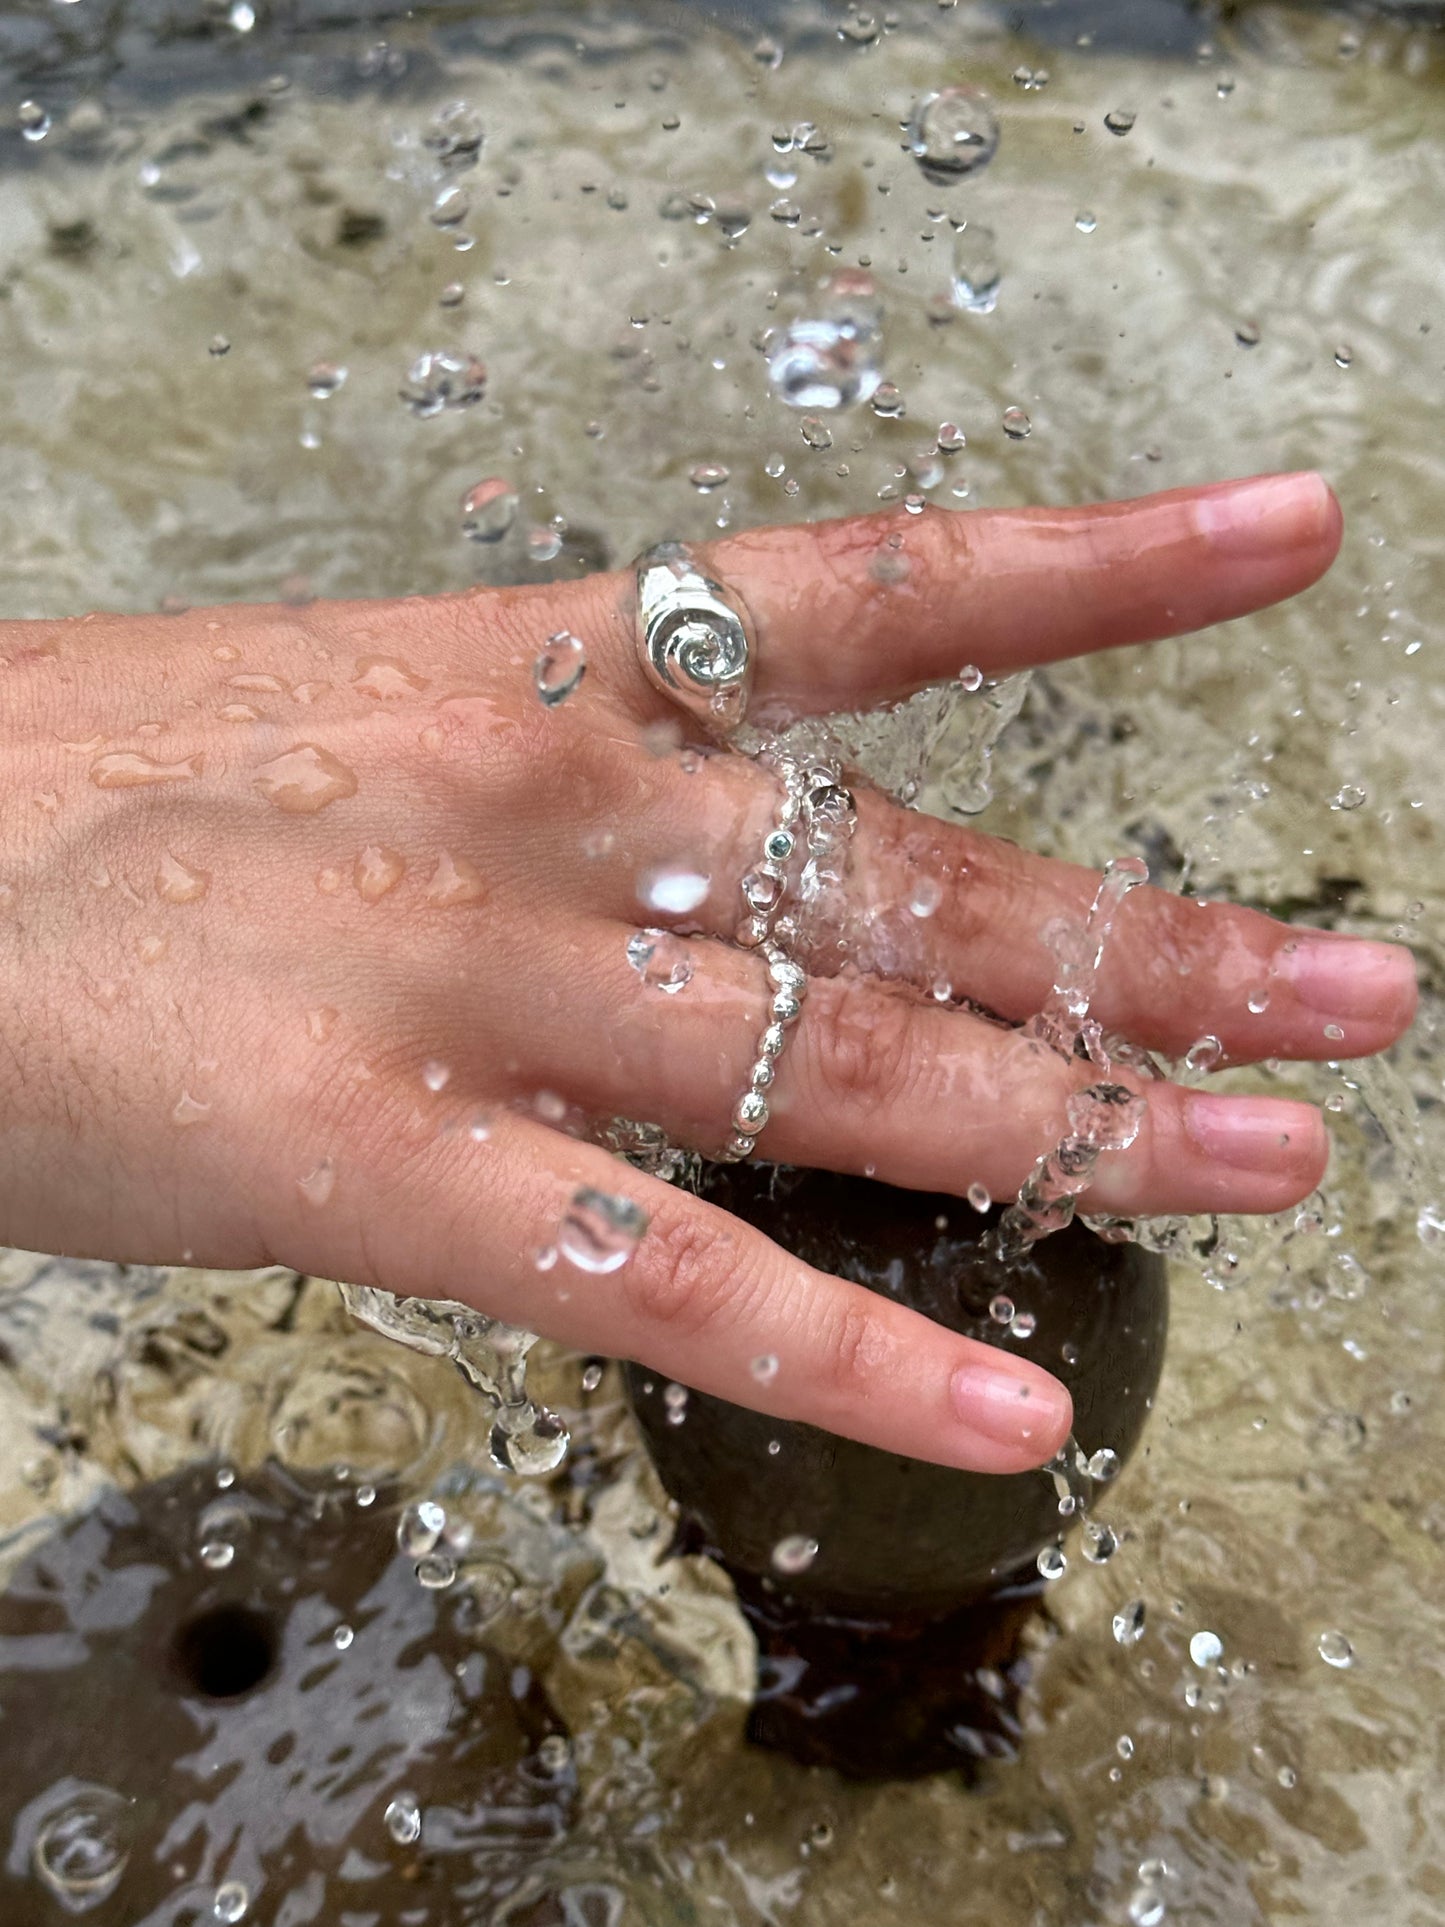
x: 1344, y: 355
x: 218, y: 346
x: 1086, y: 222
x: 1430, y: 1225
x: 559, y: 668
x: 386, y: 678
x: 1336, y: 1650
x: 672, y: 889
x: 952, y: 133
x: 324, y: 378
x: 455, y: 880
x: 1129, y: 1623
x: 674, y: 1397
x: 1001, y: 1308
x: 304, y: 779
x: 599, y: 1232
x: 831, y: 358
x: 231, y: 1901
x: 319, y: 1183
x: 189, y: 1110
x: 708, y: 476
x: 435, y: 1075
x: 1258, y: 1002
x: 455, y: 136
x: 1349, y: 796
x: 451, y: 207
x: 976, y: 273
x: 241, y: 16
x: 126, y: 769
x: 1104, y: 1465
x: 1334, y: 1034
x: 794, y: 1554
x: 320, y: 1023
x: 1120, y: 119
x: 35, y: 122
x: 1247, y: 334
x: 1100, y: 1542
x: 377, y: 870
x: 662, y: 960
x: 151, y: 949
x: 217, y: 1554
x: 82, y: 1846
x: 452, y: 295
x: 1016, y: 424
x: 343, y: 1637
x: 489, y: 510
x: 1206, y: 1649
x: 238, y: 713
x: 177, y: 882
x: 443, y: 378
x: 1051, y: 1563
x: 1023, y: 1324
x: 764, y: 1368
x: 925, y: 896
x: 815, y: 433
x: 403, y: 1820
x: 978, y: 1197
x: 888, y: 405
x: 1146, y: 1908
x: 1204, y: 1054
x: 436, y: 1571
x: 419, y: 1528
x: 528, y: 1440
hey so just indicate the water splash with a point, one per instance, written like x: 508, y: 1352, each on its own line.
x: 490, y: 1355
x: 1102, y: 1117
x: 1079, y: 953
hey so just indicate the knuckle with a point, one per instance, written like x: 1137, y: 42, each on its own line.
x: 681, y: 1278
x: 849, y: 1351
x: 863, y: 1043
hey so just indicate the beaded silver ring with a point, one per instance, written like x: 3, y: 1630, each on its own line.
x: 814, y: 821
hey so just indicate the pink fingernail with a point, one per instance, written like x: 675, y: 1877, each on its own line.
x: 1348, y: 977
x: 1023, y: 1409
x: 1251, y: 1133
x: 1266, y: 513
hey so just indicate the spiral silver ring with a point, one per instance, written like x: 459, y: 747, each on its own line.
x: 696, y: 641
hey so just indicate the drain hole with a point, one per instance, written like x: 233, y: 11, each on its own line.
x: 225, y: 1652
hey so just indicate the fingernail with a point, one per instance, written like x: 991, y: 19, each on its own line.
x: 1266, y: 513
x: 1348, y: 977
x: 1250, y: 1133
x: 1025, y: 1410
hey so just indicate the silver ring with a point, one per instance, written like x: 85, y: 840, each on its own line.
x: 805, y: 850
x: 696, y: 642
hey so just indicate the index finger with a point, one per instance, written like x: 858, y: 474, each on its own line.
x: 867, y: 609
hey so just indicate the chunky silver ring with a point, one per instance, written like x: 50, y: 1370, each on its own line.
x: 696, y: 642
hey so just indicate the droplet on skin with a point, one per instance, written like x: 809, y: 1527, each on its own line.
x: 435, y: 1075
x: 126, y: 769
x: 189, y: 1110
x: 559, y: 668
x: 257, y: 685
x: 329, y: 879
x: 319, y: 1183
x: 672, y: 889
x: 151, y: 949
x: 320, y: 1023
x: 304, y: 779
x: 455, y: 880
x: 662, y: 960
x: 104, y: 991
x: 764, y: 1368
x: 599, y: 1231
x: 238, y: 713
x: 377, y: 871
x: 978, y: 1197
x: 386, y: 679
x: 925, y: 896
x: 309, y: 692
x: 177, y: 882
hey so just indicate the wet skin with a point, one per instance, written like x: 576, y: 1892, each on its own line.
x: 314, y: 926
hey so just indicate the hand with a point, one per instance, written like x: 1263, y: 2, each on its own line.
x: 314, y: 929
